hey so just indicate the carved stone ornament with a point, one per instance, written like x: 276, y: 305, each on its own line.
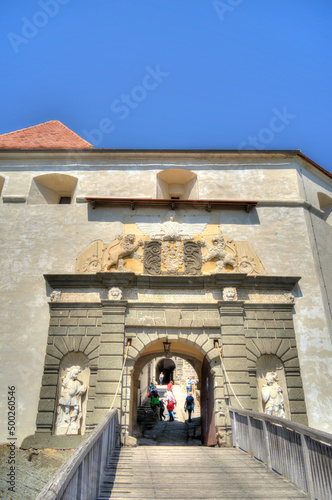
x: 69, y: 410
x: 170, y: 247
x: 152, y: 257
x: 273, y: 397
x: 115, y: 293
x: 289, y: 298
x: 219, y: 253
x: 172, y: 255
x: 55, y: 296
x: 229, y: 293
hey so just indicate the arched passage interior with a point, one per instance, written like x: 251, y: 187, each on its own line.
x: 191, y: 353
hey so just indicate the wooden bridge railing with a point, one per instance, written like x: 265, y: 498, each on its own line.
x: 80, y: 475
x: 301, y: 454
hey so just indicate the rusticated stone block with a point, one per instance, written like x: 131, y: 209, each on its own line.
x: 53, y: 351
x: 113, y: 337
x: 285, y: 334
x: 78, y: 313
x: 94, y: 313
x: 48, y: 391
x: 50, y: 379
x: 46, y: 405
x: 51, y: 361
x: 236, y: 364
x: 231, y: 320
x: 295, y: 393
x: 250, y: 314
x: 251, y: 332
x: 269, y: 332
x: 93, y: 330
x: 234, y: 351
x: 56, y: 313
x: 292, y: 363
x: 261, y: 315
x: 54, y: 322
x: 87, y: 321
x: 110, y: 349
x: 110, y: 362
x: 69, y: 322
x: 232, y: 330
x: 233, y: 339
x: 297, y: 406
x: 57, y: 330
x: 112, y: 328
x: 108, y: 375
x: 113, y: 318
x: 60, y: 345
x: 94, y: 344
x: 84, y: 342
x: 76, y: 330
x: 45, y: 418
x: 288, y: 324
x: 211, y: 322
x: 283, y: 315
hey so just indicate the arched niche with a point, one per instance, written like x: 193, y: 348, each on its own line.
x: 177, y: 183
x: 72, y: 395
x: 268, y: 364
x: 325, y: 204
x: 52, y: 189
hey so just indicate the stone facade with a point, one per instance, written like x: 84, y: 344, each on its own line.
x: 267, y: 291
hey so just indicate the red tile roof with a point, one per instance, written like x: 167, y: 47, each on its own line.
x: 48, y: 135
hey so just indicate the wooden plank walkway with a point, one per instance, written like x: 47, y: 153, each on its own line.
x: 182, y: 472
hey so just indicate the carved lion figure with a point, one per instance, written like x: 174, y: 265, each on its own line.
x: 123, y: 247
x: 219, y: 252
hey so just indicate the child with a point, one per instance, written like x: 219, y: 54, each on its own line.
x: 161, y: 410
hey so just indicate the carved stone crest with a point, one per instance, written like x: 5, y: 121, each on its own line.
x: 172, y: 255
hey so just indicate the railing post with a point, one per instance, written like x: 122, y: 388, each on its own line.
x: 234, y: 429
x: 267, y: 445
x: 251, y: 445
x: 307, y: 467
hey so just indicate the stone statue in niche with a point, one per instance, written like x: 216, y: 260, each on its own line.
x: 273, y: 397
x: 219, y: 253
x: 229, y: 293
x: 122, y: 247
x: 69, y: 411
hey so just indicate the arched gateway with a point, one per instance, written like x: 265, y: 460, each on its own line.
x: 205, y: 295
x: 204, y: 360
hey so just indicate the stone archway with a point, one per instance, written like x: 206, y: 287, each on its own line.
x: 190, y: 351
x: 167, y: 367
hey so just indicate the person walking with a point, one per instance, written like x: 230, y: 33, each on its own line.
x: 189, y: 404
x: 188, y: 385
x: 170, y: 408
x: 161, y: 378
x: 161, y: 410
x: 170, y: 386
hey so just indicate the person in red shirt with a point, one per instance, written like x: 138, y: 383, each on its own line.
x: 170, y: 408
x: 170, y: 386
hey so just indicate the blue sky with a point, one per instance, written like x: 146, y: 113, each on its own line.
x: 249, y: 74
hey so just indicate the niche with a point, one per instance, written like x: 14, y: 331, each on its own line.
x: 72, y: 395
x: 325, y: 204
x: 178, y: 184
x: 52, y: 189
x: 266, y: 366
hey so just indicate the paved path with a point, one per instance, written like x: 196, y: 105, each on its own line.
x: 182, y: 472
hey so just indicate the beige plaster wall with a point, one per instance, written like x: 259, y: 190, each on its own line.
x: 40, y: 239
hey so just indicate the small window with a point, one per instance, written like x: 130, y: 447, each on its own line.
x: 65, y: 200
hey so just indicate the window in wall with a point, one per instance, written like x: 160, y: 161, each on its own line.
x: 177, y: 184
x: 325, y: 204
x: 52, y: 189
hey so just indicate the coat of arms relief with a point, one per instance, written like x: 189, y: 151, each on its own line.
x: 170, y: 247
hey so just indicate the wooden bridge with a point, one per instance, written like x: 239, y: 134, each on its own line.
x: 272, y: 458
